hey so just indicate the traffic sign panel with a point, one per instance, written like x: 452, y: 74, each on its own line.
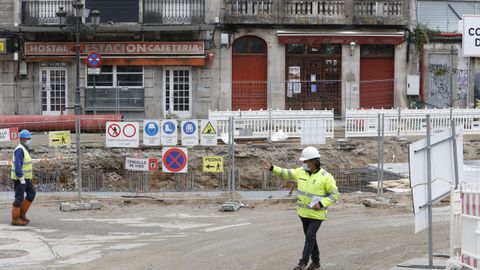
x: 8, y: 134
x: 213, y: 164
x: 122, y: 134
x: 151, y: 132
x: 59, y: 138
x: 209, y: 132
x: 169, y: 132
x: 174, y: 160
x: 94, y: 59
x: 189, y: 132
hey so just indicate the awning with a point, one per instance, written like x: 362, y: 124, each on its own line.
x: 339, y: 37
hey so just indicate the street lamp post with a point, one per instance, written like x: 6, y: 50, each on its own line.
x: 78, y: 14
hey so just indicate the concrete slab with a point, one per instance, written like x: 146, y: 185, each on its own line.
x: 421, y: 263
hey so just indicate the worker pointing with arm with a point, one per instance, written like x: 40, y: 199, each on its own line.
x: 22, y: 174
x: 317, y: 190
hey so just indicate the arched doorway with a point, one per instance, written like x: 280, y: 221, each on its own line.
x: 249, y: 73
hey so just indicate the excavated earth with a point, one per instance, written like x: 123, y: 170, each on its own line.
x: 353, y: 153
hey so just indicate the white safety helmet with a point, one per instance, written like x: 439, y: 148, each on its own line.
x: 309, y: 153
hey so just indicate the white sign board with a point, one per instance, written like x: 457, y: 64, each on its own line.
x: 471, y: 36
x: 442, y: 169
x: 141, y: 164
x: 208, y: 132
x: 8, y: 134
x: 122, y: 134
x: 151, y: 132
x: 169, y: 132
x: 189, y: 132
x: 313, y: 131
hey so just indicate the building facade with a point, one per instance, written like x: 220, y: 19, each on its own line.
x: 180, y: 59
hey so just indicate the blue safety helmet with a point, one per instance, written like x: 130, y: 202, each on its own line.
x: 25, y: 134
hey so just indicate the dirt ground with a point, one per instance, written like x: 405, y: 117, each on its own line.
x: 354, y: 153
x: 190, y: 233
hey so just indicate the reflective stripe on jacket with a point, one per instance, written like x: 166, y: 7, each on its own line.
x: 320, y: 184
x: 26, y: 165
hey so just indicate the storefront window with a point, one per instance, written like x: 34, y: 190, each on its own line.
x: 111, y: 76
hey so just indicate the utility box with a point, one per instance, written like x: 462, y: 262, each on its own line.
x: 413, y: 85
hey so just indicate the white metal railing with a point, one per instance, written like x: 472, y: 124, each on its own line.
x: 406, y: 122
x: 262, y: 123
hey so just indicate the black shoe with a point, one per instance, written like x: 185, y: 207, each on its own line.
x: 300, y: 266
x: 313, y: 266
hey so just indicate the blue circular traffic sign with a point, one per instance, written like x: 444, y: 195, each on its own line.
x: 189, y: 127
x: 94, y: 59
x: 151, y: 128
x: 169, y: 127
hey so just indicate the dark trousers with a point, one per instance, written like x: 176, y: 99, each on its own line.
x: 310, y: 229
x: 21, y: 189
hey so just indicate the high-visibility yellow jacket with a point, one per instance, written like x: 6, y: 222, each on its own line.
x: 320, y: 184
x: 26, y: 165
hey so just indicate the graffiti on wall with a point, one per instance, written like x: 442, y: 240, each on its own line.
x: 439, y: 82
x: 461, y: 98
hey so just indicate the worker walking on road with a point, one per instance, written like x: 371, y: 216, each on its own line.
x: 317, y: 190
x: 22, y: 174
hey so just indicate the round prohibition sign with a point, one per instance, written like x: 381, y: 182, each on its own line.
x: 94, y: 59
x: 175, y: 160
x: 131, y: 132
x: 114, y: 130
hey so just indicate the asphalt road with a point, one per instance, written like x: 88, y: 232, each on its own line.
x: 159, y: 235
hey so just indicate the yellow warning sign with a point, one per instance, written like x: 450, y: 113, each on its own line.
x: 213, y: 164
x: 209, y: 129
x: 59, y: 138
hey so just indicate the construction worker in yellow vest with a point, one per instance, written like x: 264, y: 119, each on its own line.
x: 22, y: 174
x: 317, y: 190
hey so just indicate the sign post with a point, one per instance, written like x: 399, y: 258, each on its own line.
x: 94, y: 61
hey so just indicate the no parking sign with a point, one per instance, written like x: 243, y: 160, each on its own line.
x: 151, y: 132
x: 174, y: 160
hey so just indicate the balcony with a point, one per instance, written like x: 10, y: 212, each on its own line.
x: 174, y: 12
x: 251, y: 11
x: 164, y: 12
x: 316, y: 12
x: 390, y: 12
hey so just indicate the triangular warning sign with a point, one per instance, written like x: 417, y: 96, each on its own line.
x: 209, y: 129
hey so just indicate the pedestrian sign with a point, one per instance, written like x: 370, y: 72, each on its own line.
x: 169, y: 132
x: 208, y: 135
x: 209, y: 129
x: 213, y: 164
x: 59, y: 138
x: 190, y: 132
x: 151, y: 132
x: 174, y: 160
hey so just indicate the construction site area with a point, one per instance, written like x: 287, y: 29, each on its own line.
x: 158, y: 219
